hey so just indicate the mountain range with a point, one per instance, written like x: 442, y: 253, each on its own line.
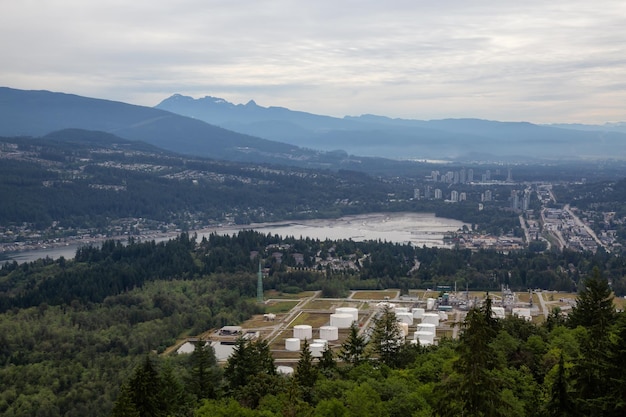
x: 37, y: 113
x: 372, y: 135
x: 214, y: 128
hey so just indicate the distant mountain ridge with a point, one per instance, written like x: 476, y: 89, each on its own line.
x: 371, y: 135
x: 37, y: 113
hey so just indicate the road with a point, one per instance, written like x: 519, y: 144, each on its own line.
x: 542, y: 303
x: 293, y: 314
x: 522, y: 222
x: 588, y: 229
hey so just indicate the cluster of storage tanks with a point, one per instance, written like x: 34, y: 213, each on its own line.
x: 345, y: 316
x: 341, y: 319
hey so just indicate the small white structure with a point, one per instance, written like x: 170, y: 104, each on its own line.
x: 284, y: 370
x: 430, y: 304
x: 497, y: 312
x: 348, y: 310
x: 432, y: 318
x: 341, y: 320
x: 443, y: 316
x: 316, y: 349
x: 186, y: 347
x: 404, y: 317
x: 418, y: 312
x: 303, y: 331
x: 292, y: 344
x: 402, y: 310
x: 523, y: 313
x: 387, y: 304
x: 329, y: 333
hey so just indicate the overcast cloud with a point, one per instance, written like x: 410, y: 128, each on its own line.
x: 538, y: 61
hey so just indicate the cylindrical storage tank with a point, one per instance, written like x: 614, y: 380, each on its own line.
x: 316, y: 349
x: 401, y: 310
x: 425, y: 342
x: 426, y: 327
x: 329, y: 333
x: 341, y: 320
x: 348, y: 310
x: 404, y: 328
x: 430, y: 303
x: 424, y: 335
x: 292, y: 344
x: 432, y: 318
x: 303, y: 331
x: 418, y: 312
x: 405, y: 317
x: 284, y: 370
x: 322, y: 341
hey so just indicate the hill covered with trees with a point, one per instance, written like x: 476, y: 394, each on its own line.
x: 78, y: 336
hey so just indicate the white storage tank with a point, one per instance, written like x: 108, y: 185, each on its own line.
x: 432, y: 318
x: 418, y: 312
x: 443, y: 316
x: 430, y: 303
x: 424, y: 335
x: 348, y: 310
x: 341, y: 320
x: 404, y: 328
x: 284, y: 370
x: 405, y: 317
x: 303, y: 331
x: 329, y: 333
x: 292, y: 344
x: 316, y: 349
x: 402, y: 310
x: 427, y: 327
x: 322, y: 341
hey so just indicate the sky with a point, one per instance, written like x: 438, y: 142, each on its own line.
x: 557, y: 61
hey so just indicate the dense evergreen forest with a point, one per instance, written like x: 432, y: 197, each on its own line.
x: 78, y: 337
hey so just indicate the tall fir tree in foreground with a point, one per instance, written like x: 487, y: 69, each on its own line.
x: 387, y: 337
x: 595, y: 313
x: 353, y: 349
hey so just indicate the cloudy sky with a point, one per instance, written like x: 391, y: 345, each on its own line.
x: 533, y: 60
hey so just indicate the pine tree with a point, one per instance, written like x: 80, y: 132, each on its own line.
x: 560, y: 403
x: 594, y: 307
x: 387, y: 338
x: 327, y: 365
x: 124, y: 405
x: 595, y: 312
x: 306, y: 373
x: 176, y: 400
x: 205, y: 376
x: 145, y: 386
x: 474, y: 388
x: 353, y: 349
x: 249, y: 359
x: 616, y: 375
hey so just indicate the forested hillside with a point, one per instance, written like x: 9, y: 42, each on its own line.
x: 78, y: 336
